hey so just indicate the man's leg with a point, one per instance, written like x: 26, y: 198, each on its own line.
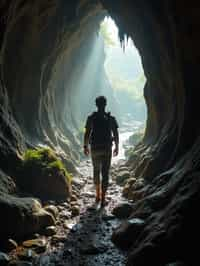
x: 96, y: 174
x: 106, y: 160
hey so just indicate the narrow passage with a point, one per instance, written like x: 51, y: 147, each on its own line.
x: 83, y: 231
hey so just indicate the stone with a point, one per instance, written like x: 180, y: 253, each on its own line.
x: 65, y: 214
x: 93, y: 249
x: 10, y: 244
x: 65, y: 205
x: 39, y: 245
x: 4, y: 259
x: 75, y: 210
x: 108, y: 217
x: 52, y: 209
x: 22, y: 216
x: 58, y: 238
x: 50, y: 231
x: 20, y: 263
x: 88, y: 194
x: 73, y: 198
x: 127, y: 233
x: 25, y: 253
x: 122, y: 177
x: 123, y: 210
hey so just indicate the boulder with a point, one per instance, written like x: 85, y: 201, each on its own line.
x: 52, y: 209
x: 22, y: 216
x: 38, y: 244
x: 125, y: 235
x: 4, y: 259
x: 123, y: 210
x: 20, y: 263
x: 53, y: 185
x: 7, y: 185
x: 49, y: 231
x: 122, y: 176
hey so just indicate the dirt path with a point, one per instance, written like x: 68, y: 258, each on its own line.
x: 84, y: 240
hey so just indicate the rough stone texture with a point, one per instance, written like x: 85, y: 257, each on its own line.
x: 4, y: 259
x: 123, y: 210
x: 125, y: 235
x: 22, y: 216
x: 37, y: 37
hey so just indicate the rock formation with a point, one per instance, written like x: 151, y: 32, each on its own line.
x: 40, y: 48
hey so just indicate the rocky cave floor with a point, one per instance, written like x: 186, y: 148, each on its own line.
x: 82, y: 234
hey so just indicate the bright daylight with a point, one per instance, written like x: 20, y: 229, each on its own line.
x: 124, y: 70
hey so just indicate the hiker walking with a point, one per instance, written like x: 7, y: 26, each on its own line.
x: 100, y: 131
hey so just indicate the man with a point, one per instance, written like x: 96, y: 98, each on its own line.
x: 100, y: 131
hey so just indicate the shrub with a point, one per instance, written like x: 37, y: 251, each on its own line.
x: 133, y: 140
x: 136, y: 138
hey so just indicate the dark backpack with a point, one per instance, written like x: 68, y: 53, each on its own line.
x: 101, y: 130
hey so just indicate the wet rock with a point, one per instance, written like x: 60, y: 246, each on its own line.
x: 39, y: 245
x: 93, y: 249
x: 65, y: 214
x: 4, y: 259
x: 127, y: 233
x: 123, y: 210
x: 122, y: 177
x: 134, y: 190
x: 22, y: 216
x: 73, y: 198
x: 25, y: 254
x: 75, y: 210
x: 58, y: 238
x: 20, y: 263
x: 9, y: 245
x: 131, y: 181
x: 77, y: 182
x: 66, y: 205
x: 52, y: 209
x: 88, y: 194
x: 108, y: 217
x: 50, y: 231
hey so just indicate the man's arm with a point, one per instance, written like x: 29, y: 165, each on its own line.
x: 116, y: 140
x: 87, y: 136
x: 115, y: 137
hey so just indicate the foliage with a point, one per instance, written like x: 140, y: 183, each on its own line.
x: 134, y: 139
x: 46, y: 160
x: 133, y: 87
x: 106, y: 34
x: 80, y: 134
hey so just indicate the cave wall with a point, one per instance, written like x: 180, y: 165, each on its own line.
x: 167, y: 36
x: 32, y: 37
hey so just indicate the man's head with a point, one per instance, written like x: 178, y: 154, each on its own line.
x: 101, y: 102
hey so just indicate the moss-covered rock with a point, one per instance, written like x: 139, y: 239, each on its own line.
x: 44, y: 175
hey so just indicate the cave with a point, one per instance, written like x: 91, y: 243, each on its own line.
x: 44, y: 47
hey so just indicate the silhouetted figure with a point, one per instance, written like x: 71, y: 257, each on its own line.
x: 101, y: 131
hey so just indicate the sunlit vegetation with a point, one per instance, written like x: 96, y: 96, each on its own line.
x: 45, y: 161
x: 107, y: 34
x: 133, y: 141
x: 124, y: 71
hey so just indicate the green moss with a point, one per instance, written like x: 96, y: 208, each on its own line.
x: 80, y: 134
x: 45, y: 160
x: 134, y: 140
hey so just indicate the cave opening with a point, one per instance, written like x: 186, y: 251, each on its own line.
x: 46, y: 49
x: 104, y: 65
